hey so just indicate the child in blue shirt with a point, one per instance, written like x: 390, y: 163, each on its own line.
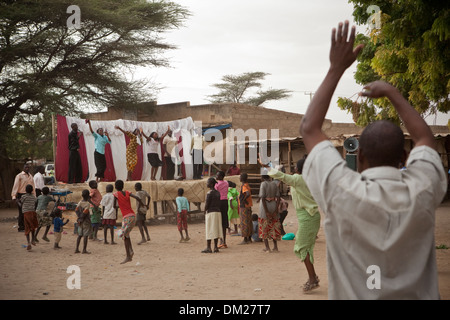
x: 182, y: 213
x: 58, y: 223
x: 255, y: 234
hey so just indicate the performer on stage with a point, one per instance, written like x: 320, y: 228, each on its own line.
x: 132, y: 158
x: 75, y: 168
x: 153, y: 158
x: 101, y: 139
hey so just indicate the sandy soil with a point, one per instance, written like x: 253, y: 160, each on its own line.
x: 164, y: 269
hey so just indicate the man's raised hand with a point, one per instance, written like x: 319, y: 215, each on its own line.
x: 342, y: 53
x: 377, y: 89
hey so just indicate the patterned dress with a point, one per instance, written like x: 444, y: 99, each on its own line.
x: 245, y: 212
x: 269, y: 222
x: 233, y: 213
x: 132, y: 158
x: 307, y: 211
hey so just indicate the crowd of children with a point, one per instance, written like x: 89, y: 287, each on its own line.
x: 224, y: 206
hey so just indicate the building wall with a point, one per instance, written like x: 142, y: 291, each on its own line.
x: 245, y: 117
x: 239, y: 115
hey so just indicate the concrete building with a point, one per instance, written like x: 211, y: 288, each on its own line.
x: 240, y: 116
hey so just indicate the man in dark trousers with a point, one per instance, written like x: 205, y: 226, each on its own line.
x: 75, y: 168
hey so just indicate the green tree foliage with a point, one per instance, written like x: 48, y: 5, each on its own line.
x: 45, y: 66
x: 410, y: 50
x: 235, y: 88
x: 35, y: 133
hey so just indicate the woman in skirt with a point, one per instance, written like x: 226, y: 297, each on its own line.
x: 154, y: 141
x: 269, y: 222
x: 213, y: 217
x: 308, y: 219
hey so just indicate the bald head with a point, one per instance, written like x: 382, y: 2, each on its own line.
x: 382, y: 144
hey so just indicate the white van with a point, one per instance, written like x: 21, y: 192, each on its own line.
x: 49, y: 169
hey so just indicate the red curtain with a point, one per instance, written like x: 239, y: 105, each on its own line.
x: 163, y: 159
x: 110, y: 172
x: 62, y: 152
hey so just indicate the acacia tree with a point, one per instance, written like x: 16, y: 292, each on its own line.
x: 45, y: 66
x: 410, y: 49
x: 235, y: 88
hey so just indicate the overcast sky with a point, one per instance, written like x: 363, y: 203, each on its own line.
x: 290, y: 39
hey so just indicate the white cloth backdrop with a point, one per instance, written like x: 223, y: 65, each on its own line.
x: 183, y: 127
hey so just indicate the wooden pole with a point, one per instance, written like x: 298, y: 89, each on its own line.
x: 53, y: 138
x: 289, y: 170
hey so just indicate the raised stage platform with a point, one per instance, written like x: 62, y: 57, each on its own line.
x: 162, y: 194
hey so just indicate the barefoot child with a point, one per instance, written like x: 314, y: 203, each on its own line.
x: 95, y: 210
x: 83, y: 221
x: 58, y: 223
x: 233, y: 213
x: 222, y: 187
x: 109, y: 213
x: 182, y: 213
x: 142, y: 211
x: 28, y: 203
x: 44, y: 218
x: 255, y: 235
x: 128, y: 216
x: 213, y: 216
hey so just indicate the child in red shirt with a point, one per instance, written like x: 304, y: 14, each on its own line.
x: 122, y: 198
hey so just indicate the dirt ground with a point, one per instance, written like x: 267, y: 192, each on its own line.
x: 164, y: 269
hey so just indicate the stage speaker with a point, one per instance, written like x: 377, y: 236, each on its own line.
x: 351, y: 161
x: 351, y: 144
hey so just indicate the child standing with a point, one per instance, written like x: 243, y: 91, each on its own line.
x: 255, y: 235
x: 142, y: 211
x: 28, y: 204
x: 233, y: 214
x: 245, y: 209
x: 44, y: 219
x: 128, y: 217
x: 213, y: 216
x: 109, y: 213
x: 283, y: 211
x: 182, y: 212
x: 83, y: 221
x: 58, y: 223
x: 222, y: 187
x: 95, y: 210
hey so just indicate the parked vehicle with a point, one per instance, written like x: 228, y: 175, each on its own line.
x: 49, y: 170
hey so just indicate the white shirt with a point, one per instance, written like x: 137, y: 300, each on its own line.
x: 197, y: 142
x: 379, y: 224
x: 170, y: 143
x: 39, y: 182
x: 108, y: 203
x: 153, y: 145
x: 20, y: 183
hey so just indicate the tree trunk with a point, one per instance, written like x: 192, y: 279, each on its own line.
x: 7, y: 175
x: 447, y: 150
